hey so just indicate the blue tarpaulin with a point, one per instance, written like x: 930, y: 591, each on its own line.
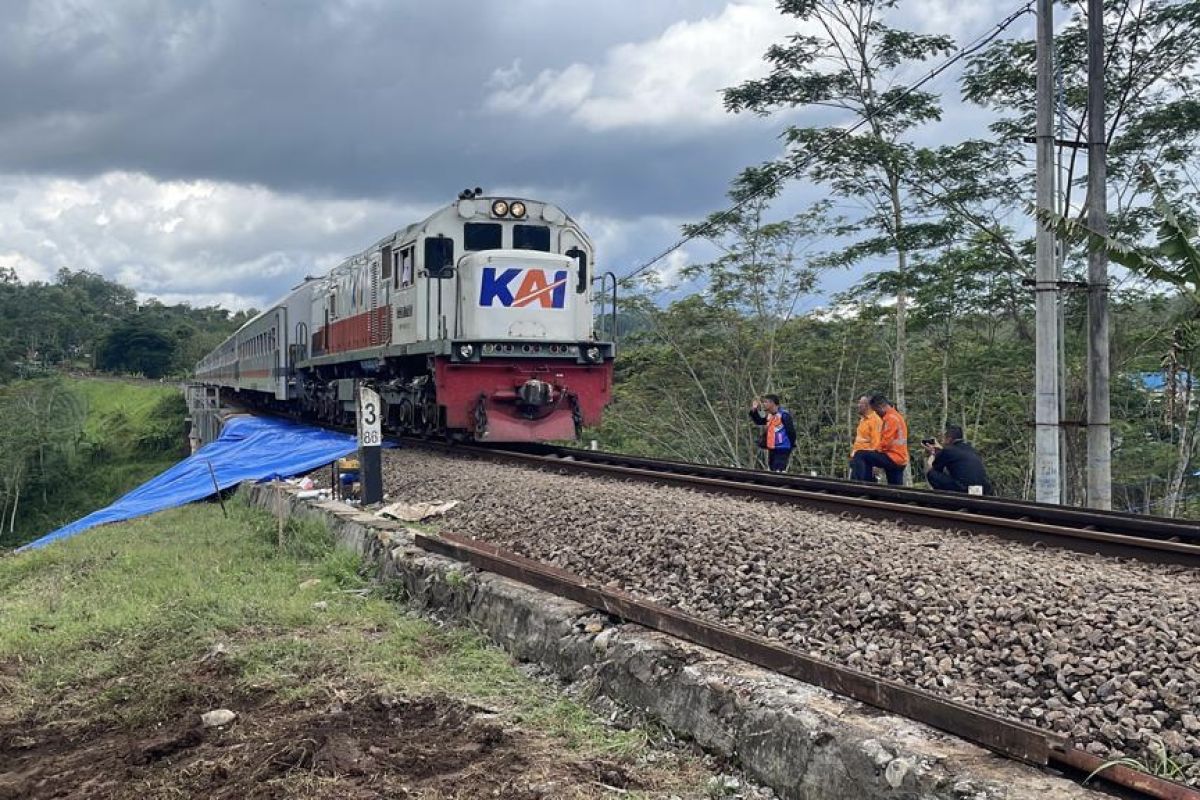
x: 249, y: 448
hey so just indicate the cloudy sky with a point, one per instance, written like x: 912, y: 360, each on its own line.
x: 214, y: 151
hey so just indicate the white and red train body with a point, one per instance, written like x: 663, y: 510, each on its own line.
x: 477, y: 321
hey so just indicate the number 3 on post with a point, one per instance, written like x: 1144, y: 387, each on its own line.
x: 370, y: 437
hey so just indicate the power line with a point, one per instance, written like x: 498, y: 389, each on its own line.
x: 790, y: 172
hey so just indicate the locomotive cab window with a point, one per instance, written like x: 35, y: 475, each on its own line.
x: 406, y: 266
x: 531, y: 237
x: 482, y: 236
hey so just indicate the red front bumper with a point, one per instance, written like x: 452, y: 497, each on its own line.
x: 493, y: 386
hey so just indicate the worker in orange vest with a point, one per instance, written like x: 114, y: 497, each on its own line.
x: 779, y: 432
x: 892, y: 454
x: 866, y: 440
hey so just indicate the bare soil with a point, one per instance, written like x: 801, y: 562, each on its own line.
x: 373, y: 746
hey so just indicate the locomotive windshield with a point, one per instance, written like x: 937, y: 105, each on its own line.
x: 482, y: 236
x: 531, y: 237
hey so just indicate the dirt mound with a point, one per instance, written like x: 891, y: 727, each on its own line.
x: 433, y: 747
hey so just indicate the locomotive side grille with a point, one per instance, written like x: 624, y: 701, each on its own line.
x: 373, y: 317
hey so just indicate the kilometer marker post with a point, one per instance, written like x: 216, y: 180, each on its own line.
x: 370, y: 437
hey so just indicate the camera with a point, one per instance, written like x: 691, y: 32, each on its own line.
x: 928, y: 442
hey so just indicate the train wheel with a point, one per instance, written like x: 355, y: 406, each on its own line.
x: 429, y: 422
x: 405, y: 416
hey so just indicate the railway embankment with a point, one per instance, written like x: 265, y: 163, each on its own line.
x: 1102, y: 651
x: 801, y: 741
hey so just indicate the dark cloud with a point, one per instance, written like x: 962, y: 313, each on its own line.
x: 349, y: 99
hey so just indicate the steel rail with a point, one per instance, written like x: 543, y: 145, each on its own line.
x: 1009, y: 738
x: 959, y: 516
x: 1125, y: 523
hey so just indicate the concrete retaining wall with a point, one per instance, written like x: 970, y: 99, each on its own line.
x: 802, y: 741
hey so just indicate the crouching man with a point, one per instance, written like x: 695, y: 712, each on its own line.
x: 954, y: 466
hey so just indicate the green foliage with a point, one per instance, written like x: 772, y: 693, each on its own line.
x: 132, y: 347
x: 1152, y: 52
x: 855, y: 65
x: 86, y: 442
x: 83, y: 320
x: 688, y: 370
x: 954, y: 301
x: 1173, y: 259
x: 1156, y: 762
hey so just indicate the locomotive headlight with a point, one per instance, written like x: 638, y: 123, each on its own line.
x: 465, y: 351
x: 592, y: 354
x: 517, y: 209
x: 499, y: 208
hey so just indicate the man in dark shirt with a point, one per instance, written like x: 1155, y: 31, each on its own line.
x: 955, y: 466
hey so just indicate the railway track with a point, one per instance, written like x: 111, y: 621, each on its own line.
x: 1113, y: 534
x: 1110, y: 533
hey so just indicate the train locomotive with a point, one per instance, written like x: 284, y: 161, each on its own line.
x: 476, y: 322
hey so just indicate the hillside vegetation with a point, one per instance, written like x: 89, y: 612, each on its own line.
x: 71, y: 445
x: 85, y: 321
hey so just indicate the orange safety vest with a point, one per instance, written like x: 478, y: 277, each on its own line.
x: 775, y: 432
x: 894, y: 437
x: 869, y: 434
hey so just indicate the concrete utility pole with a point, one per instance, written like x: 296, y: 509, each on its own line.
x: 1099, y: 441
x: 1046, y: 475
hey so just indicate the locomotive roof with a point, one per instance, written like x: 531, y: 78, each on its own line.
x: 410, y: 232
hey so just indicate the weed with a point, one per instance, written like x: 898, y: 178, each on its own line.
x: 1155, y: 762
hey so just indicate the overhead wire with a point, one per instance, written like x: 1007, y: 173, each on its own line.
x: 789, y: 172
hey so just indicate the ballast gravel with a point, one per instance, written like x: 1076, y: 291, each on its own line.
x: 1106, y: 652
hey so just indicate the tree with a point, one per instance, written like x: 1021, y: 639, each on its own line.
x: 946, y: 290
x: 1152, y: 51
x: 139, y: 346
x: 723, y: 346
x: 1175, y: 260
x: 855, y: 62
x: 95, y: 305
x: 41, y: 423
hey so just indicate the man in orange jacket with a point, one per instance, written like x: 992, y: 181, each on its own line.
x: 866, y: 439
x: 892, y: 453
x: 779, y: 431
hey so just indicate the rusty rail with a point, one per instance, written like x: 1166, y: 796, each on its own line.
x: 1013, y: 739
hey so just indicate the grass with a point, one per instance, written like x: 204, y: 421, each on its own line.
x: 108, y: 627
x: 1156, y: 762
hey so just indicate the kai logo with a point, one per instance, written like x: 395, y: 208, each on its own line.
x: 532, y: 287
